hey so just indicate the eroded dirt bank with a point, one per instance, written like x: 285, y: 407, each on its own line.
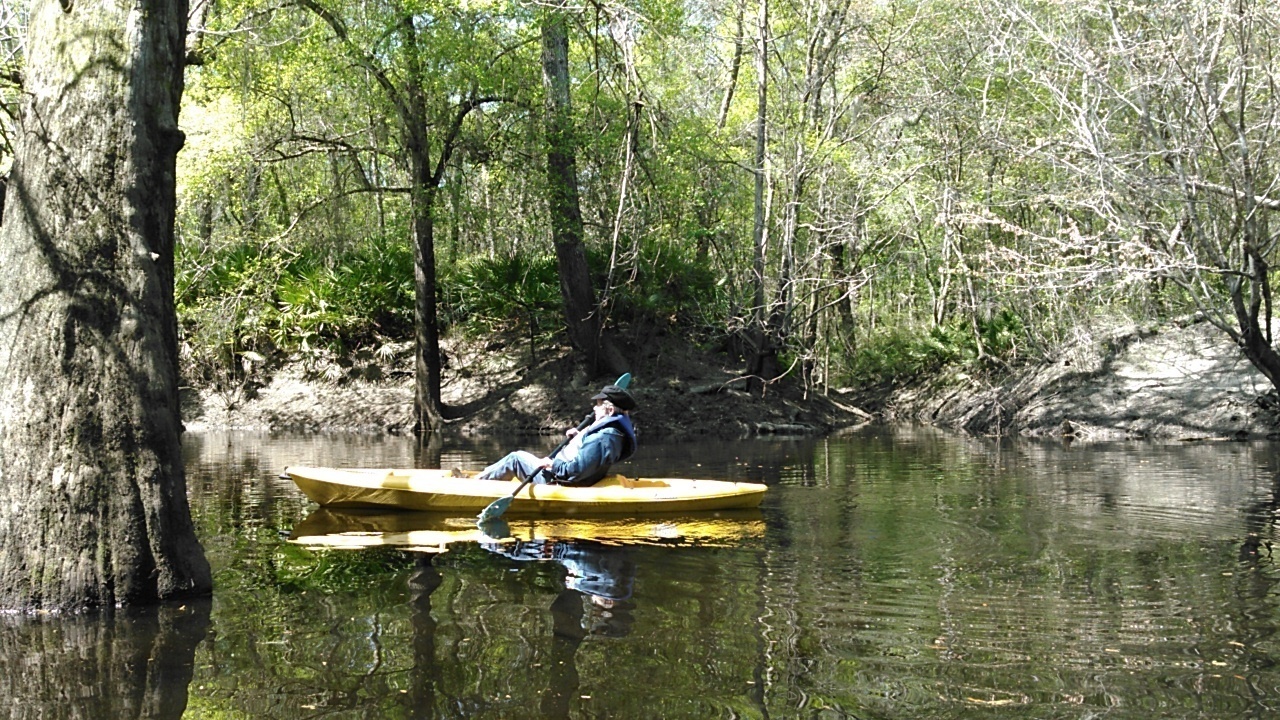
x: 1185, y: 382
x: 500, y: 388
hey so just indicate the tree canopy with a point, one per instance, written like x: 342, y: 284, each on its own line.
x: 939, y: 180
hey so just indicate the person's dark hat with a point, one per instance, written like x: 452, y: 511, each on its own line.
x: 616, y: 395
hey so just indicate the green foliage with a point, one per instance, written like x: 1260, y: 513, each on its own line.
x: 365, y: 293
x: 222, y: 297
x: 1003, y: 334
x: 483, y: 295
x: 899, y: 353
x: 919, y: 174
x: 671, y: 285
x: 241, y: 303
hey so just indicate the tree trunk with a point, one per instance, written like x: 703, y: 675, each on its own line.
x: 763, y: 363
x: 93, y: 503
x: 1253, y: 315
x: 582, y: 316
x: 428, y: 407
x: 735, y: 63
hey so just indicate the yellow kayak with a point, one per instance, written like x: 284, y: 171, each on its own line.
x: 439, y: 490
x: 433, y: 532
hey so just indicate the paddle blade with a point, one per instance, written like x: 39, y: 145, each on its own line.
x: 495, y: 509
x: 624, y: 381
x: 495, y: 529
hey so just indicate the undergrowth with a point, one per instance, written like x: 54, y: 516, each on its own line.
x: 900, y: 352
x: 246, y: 305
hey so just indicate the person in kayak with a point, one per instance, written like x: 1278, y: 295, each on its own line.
x: 587, y: 456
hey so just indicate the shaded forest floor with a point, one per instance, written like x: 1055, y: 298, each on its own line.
x: 1183, y: 381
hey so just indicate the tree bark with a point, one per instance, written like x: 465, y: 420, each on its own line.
x: 581, y: 311
x: 735, y: 63
x: 93, y: 503
x: 1251, y: 304
x: 762, y: 366
x: 428, y: 405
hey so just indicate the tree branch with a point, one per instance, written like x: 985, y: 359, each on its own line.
x: 1260, y: 200
x: 455, y: 127
x: 334, y: 196
x: 361, y: 57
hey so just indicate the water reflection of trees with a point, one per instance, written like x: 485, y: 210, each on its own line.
x: 468, y: 634
x: 123, y: 664
x: 598, y: 581
x: 900, y: 570
x: 981, y: 574
x: 424, y: 685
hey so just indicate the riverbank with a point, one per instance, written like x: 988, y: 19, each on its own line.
x: 502, y: 387
x: 1184, y: 381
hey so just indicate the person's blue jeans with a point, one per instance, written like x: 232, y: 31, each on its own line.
x: 520, y: 464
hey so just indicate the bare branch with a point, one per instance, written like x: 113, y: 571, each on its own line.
x: 1259, y: 200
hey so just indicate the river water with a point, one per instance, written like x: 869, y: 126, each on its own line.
x: 891, y: 573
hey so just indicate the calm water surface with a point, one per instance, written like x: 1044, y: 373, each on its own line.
x: 892, y: 573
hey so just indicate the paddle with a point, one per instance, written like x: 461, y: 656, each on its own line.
x: 496, y: 508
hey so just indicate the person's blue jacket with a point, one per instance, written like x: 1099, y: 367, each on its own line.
x: 611, y: 440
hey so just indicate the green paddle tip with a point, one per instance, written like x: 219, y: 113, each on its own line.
x: 495, y: 509
x: 624, y: 381
x: 495, y: 529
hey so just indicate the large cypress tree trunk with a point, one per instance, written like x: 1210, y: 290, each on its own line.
x: 93, y: 505
x: 582, y: 316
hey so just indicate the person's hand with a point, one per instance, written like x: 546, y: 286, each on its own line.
x: 571, y: 432
x: 545, y: 463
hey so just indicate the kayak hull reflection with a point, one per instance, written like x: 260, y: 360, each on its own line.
x: 434, y: 532
x: 440, y: 491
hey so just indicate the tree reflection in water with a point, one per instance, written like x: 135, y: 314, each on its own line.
x: 596, y: 600
x: 424, y: 581
x: 107, y: 663
x: 898, y: 573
